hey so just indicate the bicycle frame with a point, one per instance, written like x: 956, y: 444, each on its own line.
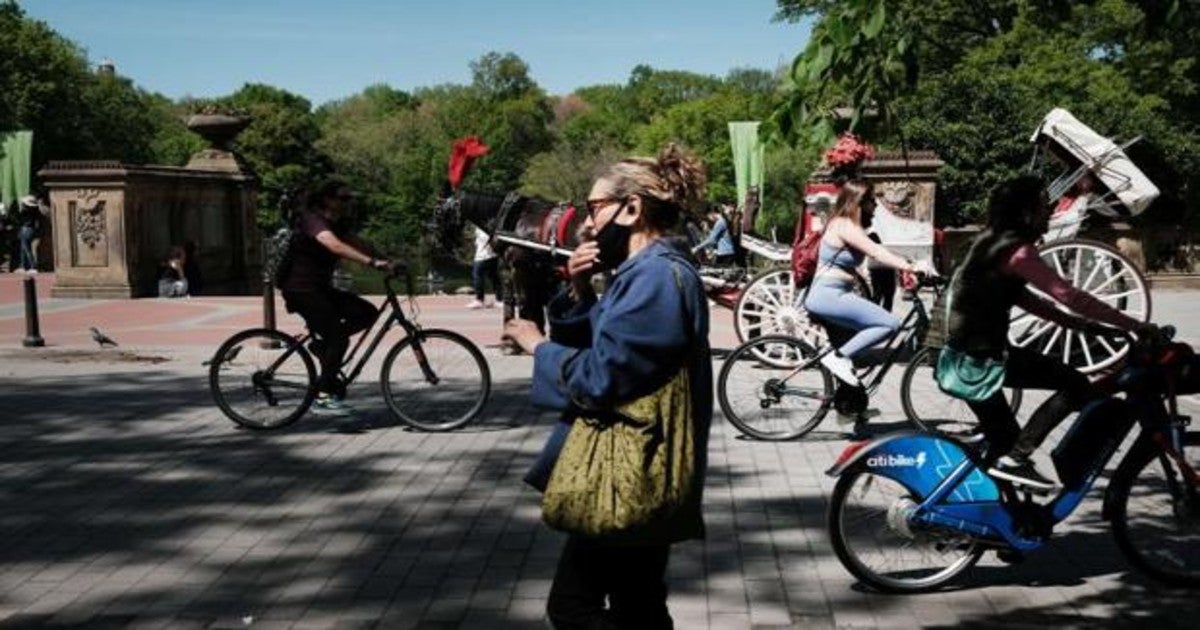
x: 955, y: 494
x: 914, y: 324
x: 395, y: 316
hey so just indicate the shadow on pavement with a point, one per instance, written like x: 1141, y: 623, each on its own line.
x: 128, y: 497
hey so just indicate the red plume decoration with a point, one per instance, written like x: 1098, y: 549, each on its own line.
x: 462, y: 155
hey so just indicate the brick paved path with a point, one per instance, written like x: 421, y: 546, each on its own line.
x: 128, y: 500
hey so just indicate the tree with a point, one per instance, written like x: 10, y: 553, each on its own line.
x: 566, y: 173
x: 42, y: 86
x: 703, y: 126
x: 501, y: 76
x: 652, y: 92
x: 172, y: 144
x: 279, y: 145
x: 971, y: 80
x: 46, y: 86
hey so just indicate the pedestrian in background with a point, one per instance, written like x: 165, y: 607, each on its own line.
x: 486, y: 266
x: 30, y: 224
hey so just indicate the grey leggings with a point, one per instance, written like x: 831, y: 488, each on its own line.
x: 835, y: 301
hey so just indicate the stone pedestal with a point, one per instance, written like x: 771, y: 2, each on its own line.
x: 905, y: 189
x: 114, y: 223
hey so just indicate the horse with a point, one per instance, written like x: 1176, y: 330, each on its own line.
x: 533, y: 237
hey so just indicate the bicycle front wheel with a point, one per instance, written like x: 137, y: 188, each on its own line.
x: 262, y: 379
x: 1156, y: 515
x: 436, y: 381
x: 931, y: 409
x: 769, y: 399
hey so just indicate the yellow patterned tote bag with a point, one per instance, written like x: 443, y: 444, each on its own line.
x: 623, y: 474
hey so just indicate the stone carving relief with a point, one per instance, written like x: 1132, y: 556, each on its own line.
x: 89, y: 222
x: 89, y: 217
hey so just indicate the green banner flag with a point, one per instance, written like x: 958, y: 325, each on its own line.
x: 16, y: 151
x: 748, y: 155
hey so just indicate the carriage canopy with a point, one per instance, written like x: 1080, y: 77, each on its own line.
x: 1100, y: 155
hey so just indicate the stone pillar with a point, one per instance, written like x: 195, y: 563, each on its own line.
x: 113, y: 223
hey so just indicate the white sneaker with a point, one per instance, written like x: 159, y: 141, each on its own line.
x: 490, y: 305
x: 841, y: 367
x: 475, y: 304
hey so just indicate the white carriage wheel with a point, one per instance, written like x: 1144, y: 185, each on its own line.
x: 1102, y: 271
x: 767, y: 306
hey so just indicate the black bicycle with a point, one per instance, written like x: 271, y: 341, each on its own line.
x: 775, y: 388
x: 432, y: 379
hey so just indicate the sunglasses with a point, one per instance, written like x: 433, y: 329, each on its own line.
x: 596, y: 205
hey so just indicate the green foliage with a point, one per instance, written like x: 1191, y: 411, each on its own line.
x: 703, y: 126
x: 565, y: 172
x: 787, y: 172
x: 858, y: 61
x: 279, y: 145
x: 971, y: 80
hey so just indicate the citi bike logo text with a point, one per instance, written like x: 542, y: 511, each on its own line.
x: 876, y: 461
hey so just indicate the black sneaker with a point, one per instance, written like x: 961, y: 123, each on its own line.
x: 1021, y: 472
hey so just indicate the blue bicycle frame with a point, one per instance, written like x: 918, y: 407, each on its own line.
x: 952, y: 492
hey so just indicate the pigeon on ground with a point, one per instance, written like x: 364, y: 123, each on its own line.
x: 101, y: 338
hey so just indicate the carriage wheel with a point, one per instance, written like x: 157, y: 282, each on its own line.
x: 768, y: 306
x: 1109, y: 276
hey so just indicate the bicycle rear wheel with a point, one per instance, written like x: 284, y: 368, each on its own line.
x: 765, y: 399
x: 931, y: 409
x: 438, y: 381
x: 1156, y: 515
x: 877, y: 542
x: 262, y: 379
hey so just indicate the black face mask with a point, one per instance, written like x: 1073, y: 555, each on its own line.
x: 613, y: 241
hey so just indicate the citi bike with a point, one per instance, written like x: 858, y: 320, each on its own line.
x: 432, y: 379
x: 911, y: 511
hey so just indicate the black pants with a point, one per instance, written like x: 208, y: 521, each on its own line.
x: 632, y: 578
x: 1028, y: 369
x: 883, y: 286
x: 333, y: 316
x: 486, y: 270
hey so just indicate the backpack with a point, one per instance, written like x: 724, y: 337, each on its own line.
x: 805, y: 255
x: 278, y: 255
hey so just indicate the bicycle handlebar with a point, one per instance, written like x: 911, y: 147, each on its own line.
x: 394, y: 272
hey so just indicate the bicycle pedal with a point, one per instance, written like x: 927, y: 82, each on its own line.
x: 1182, y: 420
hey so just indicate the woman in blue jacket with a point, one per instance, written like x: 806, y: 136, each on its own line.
x: 651, y: 321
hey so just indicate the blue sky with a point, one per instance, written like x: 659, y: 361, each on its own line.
x: 328, y: 49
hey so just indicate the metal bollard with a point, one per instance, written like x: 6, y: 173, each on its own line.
x: 268, y: 305
x: 33, y: 337
x: 268, y: 283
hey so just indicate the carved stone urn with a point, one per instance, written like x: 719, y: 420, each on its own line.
x: 219, y: 130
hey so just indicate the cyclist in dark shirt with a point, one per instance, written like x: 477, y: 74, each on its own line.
x: 307, y: 287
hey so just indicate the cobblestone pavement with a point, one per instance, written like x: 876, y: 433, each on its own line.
x: 129, y: 501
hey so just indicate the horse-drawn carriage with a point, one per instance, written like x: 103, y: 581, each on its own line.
x: 1095, y: 181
